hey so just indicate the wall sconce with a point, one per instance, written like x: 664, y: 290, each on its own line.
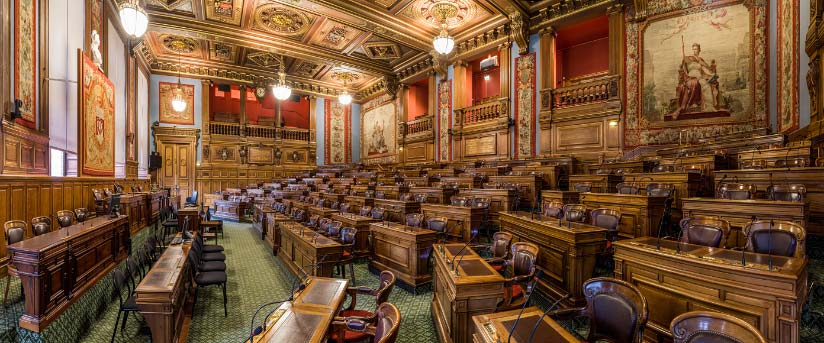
x: 613, y: 122
x: 486, y: 77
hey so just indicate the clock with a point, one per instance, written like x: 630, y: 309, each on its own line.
x: 260, y: 93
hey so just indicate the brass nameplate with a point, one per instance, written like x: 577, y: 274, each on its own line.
x: 481, y: 146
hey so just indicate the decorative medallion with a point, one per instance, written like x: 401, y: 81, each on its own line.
x: 263, y: 59
x: 335, y: 35
x: 282, y: 20
x: 226, y: 11
x: 307, y: 69
x: 221, y: 52
x: 456, y: 12
x: 345, y: 76
x: 381, y: 50
x: 179, y: 44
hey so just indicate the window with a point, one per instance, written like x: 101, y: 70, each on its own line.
x: 58, y: 167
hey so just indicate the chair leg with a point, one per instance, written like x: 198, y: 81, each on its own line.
x: 116, y: 321
x: 352, y: 271
x: 123, y: 324
x: 194, y: 302
x: 6, y: 295
x: 225, y: 311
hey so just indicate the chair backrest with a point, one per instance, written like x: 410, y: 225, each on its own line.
x: 553, y: 208
x: 97, y: 194
x: 705, y: 231
x: 523, y: 258
x: 335, y: 205
x: 347, y: 235
x: 500, y: 244
x: 387, y: 323
x: 574, y: 212
x: 606, y: 218
x: 787, y: 192
x: 344, y: 207
x: 414, y: 219
x: 660, y: 189
x: 15, y: 231
x: 387, y: 283
x: 694, y: 169
x: 81, y: 214
x: 792, y: 163
x: 313, y: 221
x: 421, y: 198
x: 753, y: 164
x: 627, y: 188
x: 407, y: 197
x: 663, y: 168
x: 378, y: 213
x: 481, y: 203
x: 40, y: 225
x: 334, y: 229
x: 369, y: 193
x: 583, y: 187
x: 119, y: 282
x: 713, y: 327
x: 366, y: 211
x: 437, y: 224
x: 779, y: 237
x: 737, y: 191
x: 65, y: 218
x: 459, y: 200
x: 617, y: 310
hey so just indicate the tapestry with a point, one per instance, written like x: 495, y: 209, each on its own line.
x: 379, y: 124
x: 697, y: 69
x: 25, y: 59
x: 787, y: 80
x: 167, y: 114
x: 337, y: 140
x: 525, y: 106
x: 444, y: 120
x: 96, y: 119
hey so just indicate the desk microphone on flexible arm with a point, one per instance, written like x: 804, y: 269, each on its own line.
x: 458, y: 223
x: 720, y: 185
x: 526, y: 302
x: 538, y: 323
x: 455, y: 266
x: 744, y: 250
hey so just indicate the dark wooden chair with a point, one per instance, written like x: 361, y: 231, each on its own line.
x: 499, y: 249
x: 554, y: 209
x: 381, y: 294
x: 737, y: 191
x: 787, y: 192
x: 205, y: 254
x: 383, y: 328
x: 439, y: 225
x: 660, y: 189
x: 583, y: 187
x: 15, y: 231
x: 522, y: 262
x: 347, y: 239
x: 711, y: 232
x: 344, y: 207
x: 778, y: 237
x: 40, y: 225
x: 627, y: 188
x: 366, y: 211
x: 713, y: 327
x: 575, y: 213
x: 606, y: 218
x: 379, y: 213
x: 616, y: 309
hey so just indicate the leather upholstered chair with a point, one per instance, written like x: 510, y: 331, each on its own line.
x: 40, y: 225
x: 522, y: 263
x: 463, y: 201
x: 752, y: 164
x: 713, y: 327
x: 583, y: 187
x: 333, y: 230
x: 381, y: 294
x: 366, y: 211
x: 616, y: 309
x: 406, y: 197
x: 15, y: 231
x: 383, y: 327
x: 606, y: 218
x: 65, y: 218
x: 334, y: 205
x: 439, y: 225
x: 663, y: 169
x: 323, y: 225
x: 344, y: 207
x: 379, y: 213
x: 627, y: 188
x: 799, y: 162
x: 421, y: 198
x: 787, y: 192
x: 313, y: 222
x: 705, y: 231
x: 737, y: 191
x: 554, y: 209
x: 414, y: 219
x: 660, y: 189
x: 347, y: 239
x: 779, y: 237
x: 499, y: 248
x: 574, y: 212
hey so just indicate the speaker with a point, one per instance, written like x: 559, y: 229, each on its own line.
x: 224, y: 88
x: 155, y: 161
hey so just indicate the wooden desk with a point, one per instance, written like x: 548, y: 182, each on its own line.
x: 134, y: 206
x: 301, y: 249
x: 500, y: 199
x: 398, y: 209
x: 434, y: 195
x: 554, y: 177
x: 444, y: 172
x: 323, y: 212
x: 333, y: 196
x: 640, y: 214
x: 360, y: 190
x: 707, y: 162
x: 191, y: 212
x: 495, y: 327
x: 740, y: 213
x: 420, y: 181
x: 566, y: 197
x: 475, y: 289
x: 530, y: 186
x: 209, y: 199
x: 702, y: 278
x: 163, y: 293
x: 306, y: 319
x: 362, y: 224
x: 58, y: 267
x: 403, y: 250
x: 464, y: 181
x: 357, y: 202
x: 392, y: 191
x: 600, y: 183
x: 272, y: 234
x: 811, y: 177
x: 630, y: 166
x: 286, y: 194
x: 260, y: 218
x: 687, y: 185
x: 567, y: 256
x: 230, y: 209
x: 469, y: 218
x: 154, y: 199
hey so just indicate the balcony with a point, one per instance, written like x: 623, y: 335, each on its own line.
x: 490, y: 115
x: 588, y: 97
x: 420, y: 129
x: 257, y: 131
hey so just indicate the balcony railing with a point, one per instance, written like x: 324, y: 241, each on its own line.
x: 261, y: 131
x: 224, y: 129
x: 257, y: 131
x: 296, y: 134
x: 494, y: 109
x: 586, y: 92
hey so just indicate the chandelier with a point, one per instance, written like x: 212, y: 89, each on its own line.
x: 133, y: 18
x: 178, y: 99
x: 443, y: 42
x: 344, y: 98
x: 280, y: 89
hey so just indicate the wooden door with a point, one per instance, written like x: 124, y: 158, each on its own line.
x: 177, y: 147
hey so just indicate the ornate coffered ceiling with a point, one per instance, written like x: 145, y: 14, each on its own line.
x: 370, y: 40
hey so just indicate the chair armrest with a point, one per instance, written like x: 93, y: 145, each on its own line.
x: 568, y: 313
x: 496, y: 260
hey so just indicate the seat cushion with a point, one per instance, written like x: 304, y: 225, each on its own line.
x: 517, y: 291
x: 212, y: 248
x: 210, y: 278
x: 346, y: 254
x: 498, y: 267
x: 213, y: 266
x: 130, y: 304
x: 213, y: 256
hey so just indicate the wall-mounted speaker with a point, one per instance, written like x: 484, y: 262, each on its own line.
x: 224, y: 88
x: 155, y: 161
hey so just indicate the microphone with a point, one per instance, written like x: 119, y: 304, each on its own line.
x: 455, y: 266
x: 538, y: 323
x: 769, y: 243
x: 526, y: 302
x: 720, y: 184
x: 296, y: 287
x: 744, y: 250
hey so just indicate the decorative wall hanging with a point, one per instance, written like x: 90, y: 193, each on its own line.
x: 525, y: 106
x: 444, y: 120
x: 788, y: 60
x: 379, y: 124
x: 131, y: 108
x: 25, y: 59
x: 96, y: 101
x: 167, y: 114
x: 338, y: 135
x: 685, y: 73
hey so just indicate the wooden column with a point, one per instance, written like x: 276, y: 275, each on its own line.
x: 505, y: 60
x: 204, y: 105
x: 432, y: 98
x: 547, y: 46
x: 459, y: 99
x: 243, y: 105
x: 616, y: 67
x: 312, y: 117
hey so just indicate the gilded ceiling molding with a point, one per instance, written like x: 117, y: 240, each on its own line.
x: 484, y: 41
x: 564, y: 9
x: 387, y: 85
x: 439, y: 64
x: 413, y: 68
x: 518, y: 32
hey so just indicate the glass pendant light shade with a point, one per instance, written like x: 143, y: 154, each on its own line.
x: 179, y: 101
x: 345, y: 98
x: 443, y: 42
x: 133, y: 18
x: 281, y: 90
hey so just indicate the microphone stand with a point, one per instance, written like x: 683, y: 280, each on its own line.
x: 526, y: 302
x: 743, y: 251
x: 538, y: 323
x: 455, y: 266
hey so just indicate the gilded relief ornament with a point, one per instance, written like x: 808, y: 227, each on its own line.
x: 179, y: 45
x: 459, y: 11
x: 264, y: 59
x: 519, y: 32
x: 282, y: 20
